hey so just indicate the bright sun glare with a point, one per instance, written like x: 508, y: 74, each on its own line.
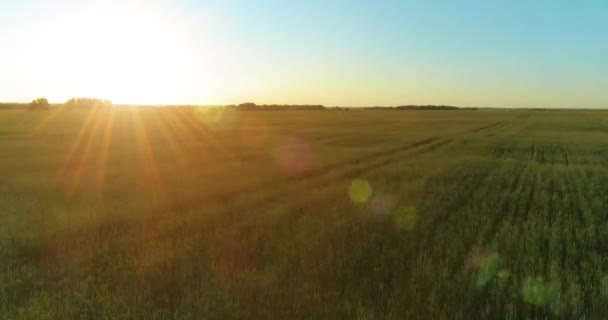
x: 130, y: 52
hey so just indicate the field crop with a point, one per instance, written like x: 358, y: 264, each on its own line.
x: 185, y: 213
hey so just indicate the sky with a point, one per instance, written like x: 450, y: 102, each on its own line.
x: 336, y: 53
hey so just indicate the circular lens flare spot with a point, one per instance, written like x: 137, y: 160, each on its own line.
x: 296, y: 158
x: 359, y: 191
x: 503, y: 275
x: 406, y: 218
x: 216, y: 118
x: 538, y: 291
x: 488, y: 270
x: 382, y: 204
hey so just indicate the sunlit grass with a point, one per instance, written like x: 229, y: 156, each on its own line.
x: 194, y: 213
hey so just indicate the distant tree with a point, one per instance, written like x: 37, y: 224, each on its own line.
x: 247, y: 106
x: 250, y: 106
x: 87, y: 103
x: 39, y: 104
x: 429, y: 107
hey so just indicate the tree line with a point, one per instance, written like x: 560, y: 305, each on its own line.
x: 77, y: 103
x: 420, y: 107
x: 73, y: 103
x: 250, y: 106
x: 87, y: 103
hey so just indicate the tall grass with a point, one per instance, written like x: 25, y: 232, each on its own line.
x: 182, y: 213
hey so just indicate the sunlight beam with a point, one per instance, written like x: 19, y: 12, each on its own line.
x: 82, y: 132
x: 149, y: 168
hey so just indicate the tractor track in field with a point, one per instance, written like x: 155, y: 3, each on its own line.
x: 345, y: 169
x: 373, y: 161
x: 444, y: 217
x: 460, y: 203
x: 572, y: 186
x: 490, y: 126
x: 255, y: 196
x: 324, y: 176
x: 484, y: 238
x: 386, y: 157
x: 499, y: 220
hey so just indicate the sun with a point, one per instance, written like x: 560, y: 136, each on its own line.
x: 133, y: 52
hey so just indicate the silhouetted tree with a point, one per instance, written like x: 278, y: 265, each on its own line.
x: 87, y: 103
x: 247, y: 106
x: 429, y: 107
x: 39, y: 104
x: 250, y: 106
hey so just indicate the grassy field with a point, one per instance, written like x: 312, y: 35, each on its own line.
x: 160, y: 213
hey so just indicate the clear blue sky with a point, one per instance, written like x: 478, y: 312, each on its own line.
x: 469, y: 53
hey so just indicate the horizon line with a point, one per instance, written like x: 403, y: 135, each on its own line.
x: 3, y: 103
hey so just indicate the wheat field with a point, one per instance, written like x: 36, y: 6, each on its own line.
x: 206, y: 213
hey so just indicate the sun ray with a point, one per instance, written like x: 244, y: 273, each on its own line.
x: 85, y: 155
x: 83, y: 131
x: 105, y: 150
x: 179, y: 155
x: 200, y: 130
x: 151, y: 174
x: 43, y: 124
x: 179, y: 128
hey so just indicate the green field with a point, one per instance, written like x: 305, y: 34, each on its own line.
x: 182, y: 213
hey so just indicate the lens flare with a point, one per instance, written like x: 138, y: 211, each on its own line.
x: 406, y: 218
x: 382, y: 204
x: 488, y: 270
x: 216, y: 118
x: 359, y: 191
x: 503, y: 275
x: 295, y: 158
x: 538, y: 291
